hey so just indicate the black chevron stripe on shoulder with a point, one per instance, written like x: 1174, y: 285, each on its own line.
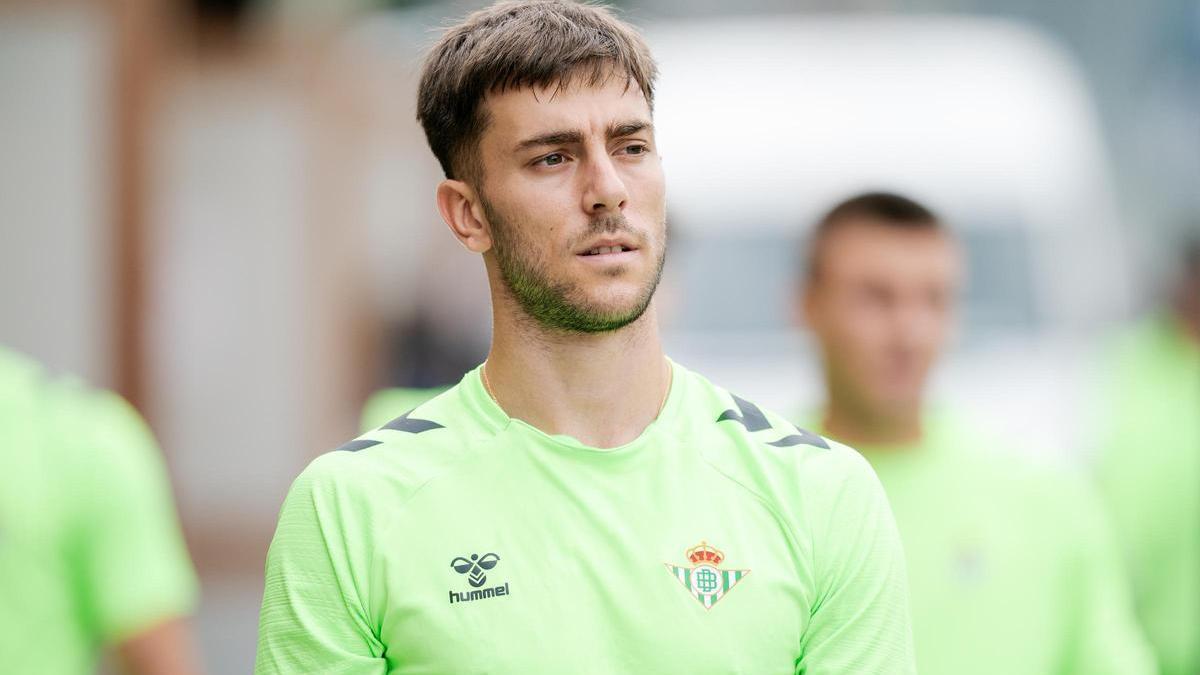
x: 411, y: 425
x: 748, y: 414
x: 804, y: 437
x: 357, y: 444
x: 753, y: 418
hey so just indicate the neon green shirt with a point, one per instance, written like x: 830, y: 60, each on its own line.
x: 458, y: 540
x: 1150, y: 475
x: 90, y: 551
x: 1010, y: 565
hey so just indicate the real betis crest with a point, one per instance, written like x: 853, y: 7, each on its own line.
x: 707, y: 582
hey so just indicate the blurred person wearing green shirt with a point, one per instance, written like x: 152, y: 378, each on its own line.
x: 1149, y: 468
x: 578, y: 503
x: 1011, y: 568
x: 91, y: 556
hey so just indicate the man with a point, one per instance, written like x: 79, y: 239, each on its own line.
x: 1010, y: 567
x: 90, y: 552
x: 578, y: 503
x: 1149, y: 468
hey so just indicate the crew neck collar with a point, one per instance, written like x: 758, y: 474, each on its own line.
x: 498, y: 421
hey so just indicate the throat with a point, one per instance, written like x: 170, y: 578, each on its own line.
x: 601, y: 403
x: 872, y: 430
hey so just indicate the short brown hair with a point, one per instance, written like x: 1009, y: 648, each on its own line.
x: 511, y: 45
x: 884, y: 208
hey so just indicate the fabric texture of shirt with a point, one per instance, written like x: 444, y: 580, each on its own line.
x: 457, y: 540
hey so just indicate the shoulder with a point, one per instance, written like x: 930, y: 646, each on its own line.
x: 770, y: 454
x: 398, y: 457
x: 386, y: 404
x: 66, y: 415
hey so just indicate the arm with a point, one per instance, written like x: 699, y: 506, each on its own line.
x: 860, y: 621
x: 163, y: 649
x: 314, y: 615
x: 1105, y: 635
x: 136, y: 582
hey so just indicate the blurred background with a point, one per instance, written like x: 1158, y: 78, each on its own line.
x: 224, y: 210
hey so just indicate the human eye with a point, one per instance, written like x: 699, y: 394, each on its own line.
x: 552, y: 159
x: 635, y: 149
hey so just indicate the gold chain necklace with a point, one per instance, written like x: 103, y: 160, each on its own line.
x: 487, y: 386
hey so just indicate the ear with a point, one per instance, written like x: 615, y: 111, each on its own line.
x: 460, y: 208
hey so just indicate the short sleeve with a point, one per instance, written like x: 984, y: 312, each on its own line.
x: 315, y: 613
x: 132, y: 567
x: 860, y: 623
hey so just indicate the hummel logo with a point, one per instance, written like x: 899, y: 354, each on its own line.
x: 475, y: 568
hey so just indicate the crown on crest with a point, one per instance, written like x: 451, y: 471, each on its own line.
x: 704, y: 553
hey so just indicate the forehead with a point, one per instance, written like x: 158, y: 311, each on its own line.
x: 575, y: 105
x: 866, y: 249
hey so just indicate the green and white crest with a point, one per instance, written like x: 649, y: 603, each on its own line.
x: 707, y: 582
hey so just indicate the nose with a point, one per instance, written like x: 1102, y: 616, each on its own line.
x: 605, y: 190
x: 918, y: 327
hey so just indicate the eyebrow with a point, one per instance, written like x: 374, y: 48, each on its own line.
x: 575, y: 137
x: 629, y: 128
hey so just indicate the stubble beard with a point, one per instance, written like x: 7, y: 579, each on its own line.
x: 554, y: 304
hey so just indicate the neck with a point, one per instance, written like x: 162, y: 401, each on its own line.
x: 857, y: 425
x: 602, y: 389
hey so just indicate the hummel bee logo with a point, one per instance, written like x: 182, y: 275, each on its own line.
x: 476, y: 568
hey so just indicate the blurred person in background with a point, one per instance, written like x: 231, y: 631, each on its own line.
x: 1149, y: 467
x: 578, y: 502
x: 1011, y: 568
x: 91, y: 556
x: 428, y: 357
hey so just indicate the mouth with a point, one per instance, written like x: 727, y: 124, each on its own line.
x: 607, y: 250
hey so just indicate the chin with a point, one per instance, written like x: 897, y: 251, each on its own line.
x: 613, y: 311
x: 608, y: 307
x: 616, y: 301
x: 897, y: 403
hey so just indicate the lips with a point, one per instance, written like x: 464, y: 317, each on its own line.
x: 608, y: 246
x: 605, y: 250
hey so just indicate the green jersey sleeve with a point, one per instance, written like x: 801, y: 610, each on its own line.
x: 1149, y: 476
x: 1107, y: 639
x: 132, y: 565
x: 860, y: 622
x: 315, y: 616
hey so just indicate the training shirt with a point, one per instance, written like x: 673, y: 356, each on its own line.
x: 458, y: 540
x: 90, y: 550
x: 1150, y: 476
x: 1011, y: 565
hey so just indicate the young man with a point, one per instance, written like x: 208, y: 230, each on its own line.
x: 578, y: 503
x: 1010, y: 567
x: 1149, y: 467
x: 91, y: 557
